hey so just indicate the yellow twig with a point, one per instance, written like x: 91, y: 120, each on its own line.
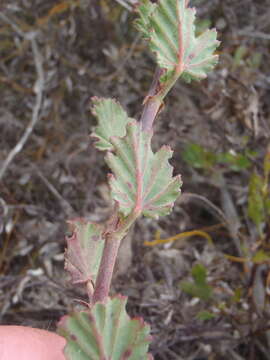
x: 201, y: 232
x: 57, y: 9
x: 236, y: 258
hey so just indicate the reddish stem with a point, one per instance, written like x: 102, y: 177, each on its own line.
x: 157, y: 92
x: 105, y: 272
x: 152, y: 103
x: 149, y: 114
x: 116, y: 232
x: 154, y: 99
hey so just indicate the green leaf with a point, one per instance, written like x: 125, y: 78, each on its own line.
x: 237, y: 162
x: 199, y: 288
x: 142, y: 181
x: 239, y: 55
x: 201, y: 158
x: 112, y: 121
x: 261, y: 257
x: 255, y: 60
x: 198, y: 157
x: 203, y: 292
x: 84, y: 251
x: 237, y: 295
x: 205, y: 315
x: 169, y: 27
x: 105, y: 332
x: 145, y: 11
x: 256, y: 209
x: 199, y: 274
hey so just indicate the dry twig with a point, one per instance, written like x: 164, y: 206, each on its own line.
x: 67, y: 208
x: 39, y: 89
x: 255, y: 34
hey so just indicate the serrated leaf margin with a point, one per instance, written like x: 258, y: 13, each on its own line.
x: 142, y: 181
x: 112, y: 121
x: 169, y: 27
x: 84, y: 333
x: 84, y: 250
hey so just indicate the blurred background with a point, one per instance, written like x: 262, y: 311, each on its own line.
x: 206, y: 292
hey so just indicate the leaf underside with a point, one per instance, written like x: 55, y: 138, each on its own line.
x: 112, y: 121
x: 105, y: 333
x: 141, y: 180
x: 169, y: 27
x: 84, y: 251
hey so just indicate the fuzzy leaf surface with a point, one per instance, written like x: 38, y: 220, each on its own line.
x: 142, y: 180
x: 105, y: 332
x: 169, y: 27
x: 112, y: 121
x: 84, y: 251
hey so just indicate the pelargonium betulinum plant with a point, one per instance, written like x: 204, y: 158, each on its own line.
x: 141, y: 183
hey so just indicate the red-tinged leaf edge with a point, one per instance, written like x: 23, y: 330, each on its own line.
x: 89, y: 333
x: 84, y: 250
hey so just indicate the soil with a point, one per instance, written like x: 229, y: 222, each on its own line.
x: 92, y: 49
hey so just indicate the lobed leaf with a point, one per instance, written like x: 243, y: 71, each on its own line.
x: 145, y: 10
x: 84, y: 251
x: 105, y: 332
x: 112, y: 121
x: 169, y: 27
x: 142, y: 181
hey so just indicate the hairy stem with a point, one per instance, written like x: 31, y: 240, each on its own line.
x: 154, y: 99
x: 152, y: 103
x: 110, y: 251
x: 150, y: 112
x: 105, y: 272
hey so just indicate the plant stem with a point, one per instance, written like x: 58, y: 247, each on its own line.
x: 152, y: 103
x: 105, y: 272
x: 112, y: 243
x: 150, y: 112
x: 154, y: 99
